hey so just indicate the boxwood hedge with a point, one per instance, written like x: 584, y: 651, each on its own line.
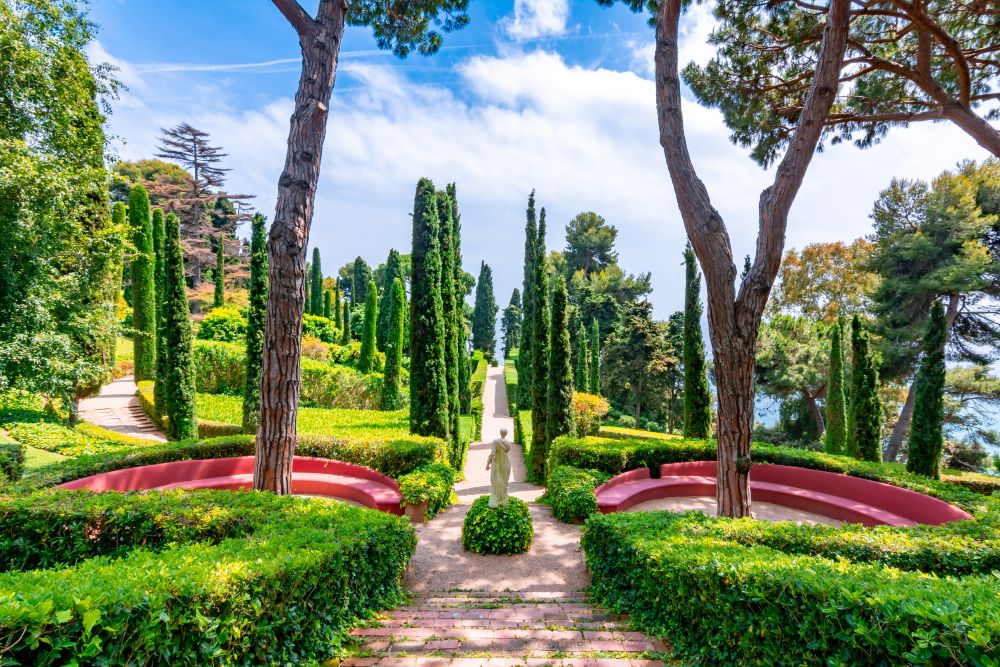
x: 432, y: 484
x: 190, y: 578
x: 571, y: 492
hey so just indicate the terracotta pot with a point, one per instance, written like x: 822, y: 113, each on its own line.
x: 416, y: 513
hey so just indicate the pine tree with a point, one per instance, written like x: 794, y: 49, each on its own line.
x: 836, y: 410
x: 159, y: 234
x: 366, y: 361
x: 582, y: 360
x: 595, y: 358
x: 539, y: 358
x: 926, y: 429
x: 327, y: 304
x: 393, y: 270
x: 316, y: 289
x: 220, y: 274
x: 484, y: 315
x: 449, y: 306
x: 865, y: 406
x: 697, y: 399
x: 336, y: 303
x: 142, y: 266
x: 396, y: 306
x: 524, y: 362
x: 428, y: 386
x: 179, y: 390
x: 345, y: 319
x: 464, y: 372
x: 559, y: 418
x: 256, y: 314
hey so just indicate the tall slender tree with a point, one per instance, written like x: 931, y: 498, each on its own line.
x: 595, y: 358
x: 219, y: 299
x: 361, y: 275
x: 539, y: 357
x: 393, y: 270
x: 327, y: 304
x: 256, y: 313
x: 449, y: 309
x: 926, y: 432
x: 484, y: 315
x: 307, y: 307
x: 559, y: 417
x: 336, y: 303
x: 395, y: 306
x: 464, y: 372
x: 142, y: 265
x: 697, y: 398
x: 835, y: 440
x: 525, y: 365
x: 316, y: 288
x: 510, y: 323
x: 345, y: 319
x: 366, y: 361
x: 582, y: 359
x: 428, y: 383
x: 179, y: 391
x: 159, y: 237
x: 865, y: 407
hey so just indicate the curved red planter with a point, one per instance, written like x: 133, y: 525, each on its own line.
x: 837, y: 496
x: 310, y: 476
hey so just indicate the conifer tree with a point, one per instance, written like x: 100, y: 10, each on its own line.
x: 345, y: 319
x: 393, y: 270
x: 359, y: 281
x: 865, y: 406
x: 524, y: 362
x: 510, y: 323
x: 316, y: 289
x: 697, y: 398
x: 428, y: 386
x: 142, y: 266
x: 836, y: 409
x: 926, y: 430
x: 595, y: 358
x: 220, y: 274
x: 582, y: 359
x: 366, y: 361
x: 327, y: 304
x: 336, y: 303
x: 539, y: 357
x: 464, y: 372
x: 179, y: 390
x: 559, y: 418
x: 307, y: 282
x: 256, y: 314
x: 395, y: 306
x: 449, y: 307
x: 484, y: 314
x: 159, y: 235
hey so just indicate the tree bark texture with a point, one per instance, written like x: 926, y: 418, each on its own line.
x: 734, y: 319
x: 320, y: 40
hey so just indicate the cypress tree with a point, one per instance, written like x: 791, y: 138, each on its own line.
x: 464, y: 373
x: 307, y: 304
x: 336, y: 303
x: 836, y: 410
x: 179, y: 390
x: 539, y: 358
x: 220, y: 274
x: 697, y: 399
x: 327, y: 304
x: 159, y: 234
x: 142, y: 266
x: 256, y: 314
x: 366, y: 362
x: 359, y: 281
x: 316, y: 289
x: 449, y: 305
x: 595, y: 357
x: 345, y: 319
x: 484, y: 315
x: 582, y: 361
x: 559, y: 418
x: 393, y: 270
x: 396, y: 306
x: 524, y: 362
x: 926, y: 429
x: 428, y: 386
x: 865, y: 406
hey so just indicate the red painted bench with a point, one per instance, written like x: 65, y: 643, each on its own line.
x: 837, y: 496
x: 310, y: 476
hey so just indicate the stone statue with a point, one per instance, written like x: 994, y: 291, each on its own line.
x: 498, y: 464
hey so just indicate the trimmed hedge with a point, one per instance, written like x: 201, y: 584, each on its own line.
x: 719, y: 600
x: 220, y: 577
x: 506, y: 529
x: 571, y: 492
x: 11, y: 461
x: 429, y: 483
x: 206, y: 427
x: 476, y: 383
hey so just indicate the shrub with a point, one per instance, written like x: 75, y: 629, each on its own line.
x: 653, y: 426
x: 223, y: 324
x: 429, y: 484
x: 627, y: 421
x: 45, y: 432
x: 590, y: 412
x: 506, y: 529
x: 571, y: 492
x: 320, y: 327
x: 11, y: 461
x: 191, y: 578
x: 314, y: 348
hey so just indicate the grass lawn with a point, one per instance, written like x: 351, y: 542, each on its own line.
x: 466, y: 423
x: 525, y: 417
x: 638, y: 433
x: 36, y: 458
x: 950, y: 474
x: 124, y: 350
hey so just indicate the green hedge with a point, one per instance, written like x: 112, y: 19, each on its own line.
x: 219, y: 578
x: 32, y: 426
x: 429, y: 483
x: 477, y: 381
x: 719, y: 600
x: 11, y: 461
x: 571, y: 492
x: 506, y: 529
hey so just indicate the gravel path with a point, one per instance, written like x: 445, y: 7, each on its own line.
x: 117, y: 409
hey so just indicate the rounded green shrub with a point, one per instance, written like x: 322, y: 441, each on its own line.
x: 223, y: 324
x: 429, y: 484
x: 628, y: 421
x: 506, y: 529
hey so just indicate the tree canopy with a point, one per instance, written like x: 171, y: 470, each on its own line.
x: 590, y: 243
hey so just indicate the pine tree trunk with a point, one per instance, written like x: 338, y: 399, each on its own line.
x: 734, y: 360
x: 320, y: 41
x: 977, y: 127
x: 816, y: 413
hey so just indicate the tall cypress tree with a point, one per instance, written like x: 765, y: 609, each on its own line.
x: 142, y: 266
x: 179, y: 390
x: 697, y: 399
x: 159, y: 236
x: 345, y: 319
x: 464, y: 372
x: 595, y: 358
x: 836, y: 409
x: 359, y: 281
x: 307, y: 282
x: 395, y: 306
x: 582, y: 359
x: 539, y: 358
x: 865, y: 405
x: 336, y: 303
x: 220, y: 273
x: 393, y: 270
x: 316, y: 289
x: 449, y: 308
x: 484, y: 315
x: 559, y: 418
x: 926, y: 429
x: 256, y: 314
x: 327, y: 304
x: 367, y: 359
x: 525, y: 365
x: 428, y: 385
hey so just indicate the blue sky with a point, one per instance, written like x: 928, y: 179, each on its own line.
x: 542, y: 94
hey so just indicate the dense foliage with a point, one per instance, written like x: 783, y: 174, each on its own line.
x: 393, y: 346
x: 559, y: 412
x: 926, y: 431
x: 864, y: 415
x: 227, y: 325
x: 510, y: 323
x: 571, y: 492
x: 451, y: 306
x: 391, y: 270
x: 367, y: 359
x: 429, y: 484
x: 179, y: 383
x: 484, y: 314
x: 835, y: 441
x: 315, y: 306
x: 255, y: 324
x: 142, y: 267
x: 539, y: 358
x: 525, y: 364
x: 505, y: 529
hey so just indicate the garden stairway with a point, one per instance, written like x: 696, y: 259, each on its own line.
x: 116, y: 408
x: 491, y: 629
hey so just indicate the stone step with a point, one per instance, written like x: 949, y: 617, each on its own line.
x: 529, y: 595
x: 390, y: 633
x: 497, y: 624
x: 437, y: 661
x: 588, y: 615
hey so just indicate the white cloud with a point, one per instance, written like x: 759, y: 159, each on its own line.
x: 537, y: 18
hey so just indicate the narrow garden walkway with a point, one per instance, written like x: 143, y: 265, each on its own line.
x: 117, y: 409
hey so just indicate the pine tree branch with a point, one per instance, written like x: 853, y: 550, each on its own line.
x: 303, y: 23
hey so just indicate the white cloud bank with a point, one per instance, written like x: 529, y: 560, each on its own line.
x: 537, y: 18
